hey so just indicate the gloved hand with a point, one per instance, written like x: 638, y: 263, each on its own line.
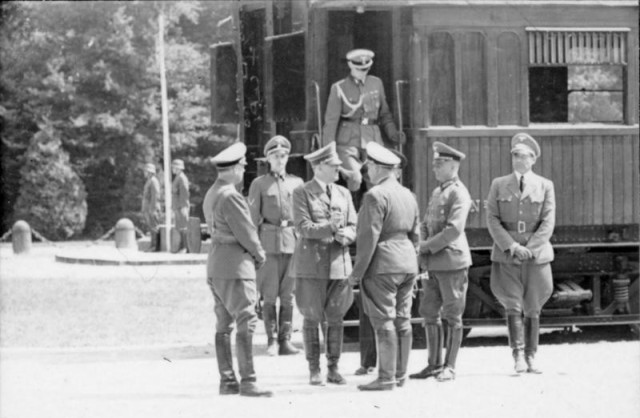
x: 400, y: 138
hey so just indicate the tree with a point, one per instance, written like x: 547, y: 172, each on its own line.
x: 52, y: 196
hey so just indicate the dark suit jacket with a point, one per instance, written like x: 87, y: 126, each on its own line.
x: 318, y: 255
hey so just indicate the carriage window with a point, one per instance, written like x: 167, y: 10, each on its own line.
x: 576, y: 76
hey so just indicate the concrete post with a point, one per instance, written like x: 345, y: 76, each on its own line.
x: 126, y: 235
x: 21, y: 237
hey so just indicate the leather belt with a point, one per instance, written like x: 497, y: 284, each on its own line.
x: 521, y: 227
x: 282, y: 224
x: 223, y: 239
x: 363, y: 121
x: 393, y: 236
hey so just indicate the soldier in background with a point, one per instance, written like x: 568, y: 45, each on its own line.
x: 521, y: 215
x: 445, y: 255
x: 270, y: 202
x: 386, y: 264
x: 325, y: 220
x: 151, y: 211
x: 234, y: 256
x: 180, y: 199
x: 356, y: 109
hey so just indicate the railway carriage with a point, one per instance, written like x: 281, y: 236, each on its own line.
x: 471, y: 74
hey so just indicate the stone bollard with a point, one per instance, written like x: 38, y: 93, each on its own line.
x: 126, y: 235
x: 21, y: 237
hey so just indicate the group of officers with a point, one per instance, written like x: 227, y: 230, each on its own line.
x: 291, y: 239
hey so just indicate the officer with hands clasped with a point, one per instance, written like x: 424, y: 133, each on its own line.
x: 521, y: 212
x: 356, y: 109
x: 271, y: 205
x: 325, y: 221
x: 445, y: 255
x: 234, y: 256
x: 386, y: 264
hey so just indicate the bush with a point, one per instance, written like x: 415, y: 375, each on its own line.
x: 52, y: 197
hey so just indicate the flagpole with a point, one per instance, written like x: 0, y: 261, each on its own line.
x: 165, y: 135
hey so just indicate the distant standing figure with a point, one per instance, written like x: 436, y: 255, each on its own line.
x: 271, y: 205
x: 325, y: 220
x: 445, y: 256
x: 356, y: 109
x: 521, y: 215
x: 234, y: 256
x: 180, y: 199
x: 151, y: 211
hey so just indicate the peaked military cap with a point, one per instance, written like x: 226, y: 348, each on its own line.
x: 178, y: 164
x: 150, y: 168
x: 403, y: 159
x: 445, y: 152
x: 232, y: 155
x: 277, y: 143
x: 523, y: 142
x: 326, y: 154
x: 381, y: 156
x: 361, y: 58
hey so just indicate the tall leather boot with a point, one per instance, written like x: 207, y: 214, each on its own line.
x: 334, y: 349
x: 387, y: 357
x: 270, y: 327
x: 244, y: 347
x: 516, y: 341
x: 228, y: 382
x: 454, y: 339
x: 435, y: 341
x: 153, y: 245
x: 531, y: 337
x: 405, y: 337
x: 284, y: 332
x: 311, y: 339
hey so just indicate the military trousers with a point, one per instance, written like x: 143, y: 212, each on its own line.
x: 181, y: 216
x: 234, y: 302
x: 444, y: 296
x: 274, y: 281
x: 387, y: 299
x: 323, y: 299
x: 522, y: 288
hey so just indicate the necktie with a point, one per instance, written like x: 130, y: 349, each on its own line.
x: 329, y: 191
x: 521, y: 183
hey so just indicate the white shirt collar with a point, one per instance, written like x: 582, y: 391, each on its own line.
x: 526, y: 175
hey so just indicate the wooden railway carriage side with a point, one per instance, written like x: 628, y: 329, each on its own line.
x: 471, y: 74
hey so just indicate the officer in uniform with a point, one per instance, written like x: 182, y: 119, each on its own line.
x: 180, y: 199
x: 151, y: 211
x: 356, y: 109
x: 325, y: 220
x: 270, y: 201
x: 234, y: 256
x: 521, y: 213
x: 386, y: 264
x: 445, y: 255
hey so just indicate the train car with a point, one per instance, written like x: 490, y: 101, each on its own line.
x: 471, y: 74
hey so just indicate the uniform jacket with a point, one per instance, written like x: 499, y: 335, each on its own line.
x: 235, y: 247
x: 388, y: 228
x: 271, y: 205
x: 318, y: 254
x: 445, y: 246
x: 354, y: 112
x: 534, y: 212
x: 180, y: 192
x: 150, y: 196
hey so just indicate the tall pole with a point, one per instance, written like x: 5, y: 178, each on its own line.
x: 165, y: 135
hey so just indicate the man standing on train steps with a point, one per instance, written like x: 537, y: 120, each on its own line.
x: 270, y: 202
x: 386, y: 264
x: 521, y: 213
x: 445, y: 256
x: 356, y: 109
x: 234, y: 256
x: 325, y: 220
